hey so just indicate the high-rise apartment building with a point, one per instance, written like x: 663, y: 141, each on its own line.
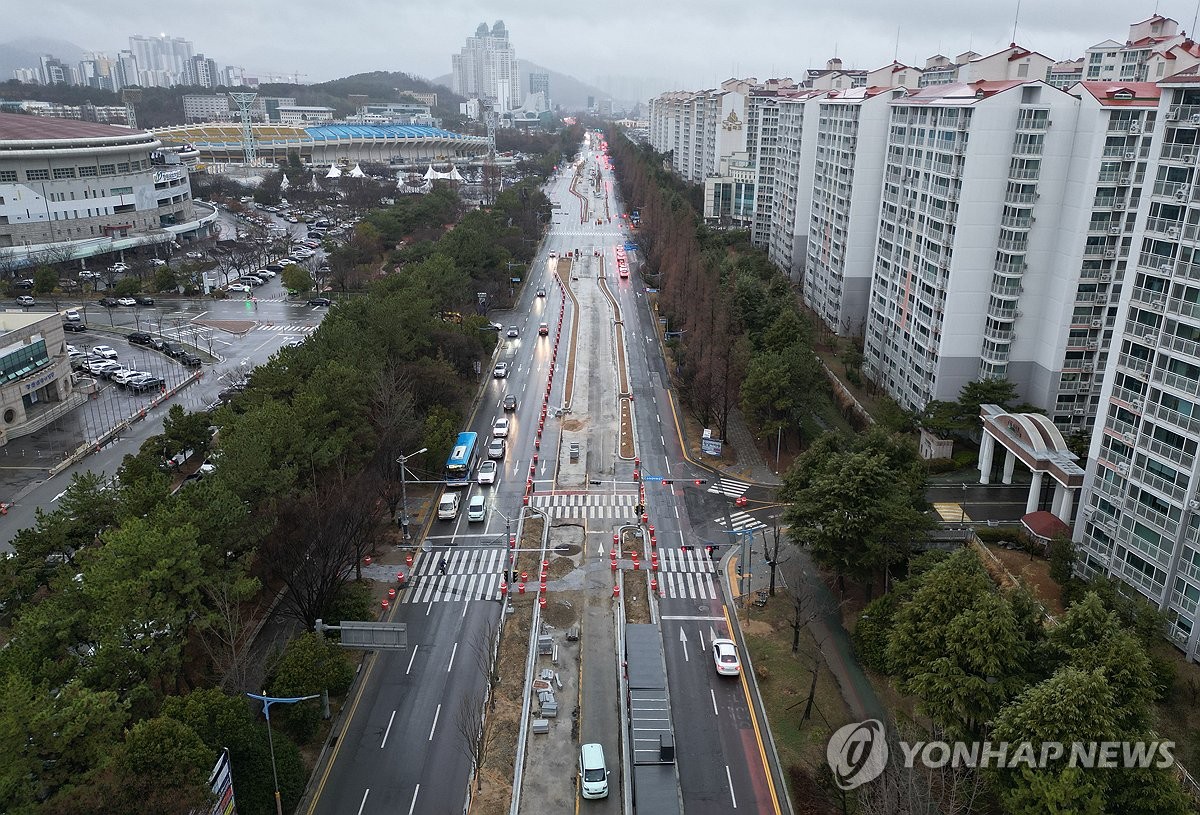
x: 486, y: 68
x: 55, y: 72
x: 162, y: 61
x: 539, y: 82
x: 202, y: 72
x: 792, y: 199
x: 125, y: 73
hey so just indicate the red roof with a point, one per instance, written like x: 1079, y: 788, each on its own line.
x: 1045, y: 525
x: 20, y: 127
x: 1143, y: 94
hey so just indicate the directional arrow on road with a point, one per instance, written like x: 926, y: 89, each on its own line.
x: 683, y: 642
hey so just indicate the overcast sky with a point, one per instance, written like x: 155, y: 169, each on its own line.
x: 680, y: 43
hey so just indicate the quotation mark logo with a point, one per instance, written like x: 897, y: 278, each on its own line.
x: 857, y: 753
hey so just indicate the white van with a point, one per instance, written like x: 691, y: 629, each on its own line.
x: 448, y: 506
x: 593, y: 772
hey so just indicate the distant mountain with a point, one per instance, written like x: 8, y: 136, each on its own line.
x: 566, y: 91
x: 27, y: 53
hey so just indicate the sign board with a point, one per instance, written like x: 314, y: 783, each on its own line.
x: 710, y: 447
x: 653, y: 291
x: 221, y: 784
x: 652, y: 478
x: 514, y: 280
x: 377, y: 636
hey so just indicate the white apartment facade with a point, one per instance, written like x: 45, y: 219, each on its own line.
x: 206, y: 108
x: 1140, y: 511
x: 788, y: 240
x: 1128, y: 61
x: 847, y: 179
x: 968, y: 239
x: 486, y: 68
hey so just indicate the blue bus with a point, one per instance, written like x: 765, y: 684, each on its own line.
x: 462, y: 459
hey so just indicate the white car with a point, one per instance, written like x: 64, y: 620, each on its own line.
x: 103, y: 351
x: 238, y: 287
x: 488, y: 471
x: 99, y: 367
x: 500, y: 429
x: 500, y: 371
x: 119, y: 267
x: 725, y: 657
x: 123, y: 376
x: 194, y: 256
x: 265, y: 274
x: 86, y: 274
x: 476, y: 509
x: 72, y: 316
x: 158, y: 262
x: 126, y: 301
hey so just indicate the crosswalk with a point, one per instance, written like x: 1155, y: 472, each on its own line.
x: 740, y: 522
x: 592, y: 506
x: 727, y: 486
x: 471, y: 574
x: 687, y: 574
x: 291, y: 329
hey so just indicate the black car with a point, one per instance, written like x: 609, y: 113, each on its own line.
x: 157, y: 343
x: 320, y: 301
x: 190, y: 360
x: 510, y: 402
x: 67, y: 326
x: 140, y: 338
x: 174, y: 349
x: 146, y: 383
x: 541, y: 292
x: 109, y: 302
x: 143, y: 300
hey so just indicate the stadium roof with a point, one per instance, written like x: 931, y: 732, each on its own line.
x: 327, y: 132
x: 23, y: 127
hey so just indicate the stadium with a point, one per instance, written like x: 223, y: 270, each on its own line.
x: 397, y: 145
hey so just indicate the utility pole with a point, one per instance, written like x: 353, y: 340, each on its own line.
x: 403, y: 462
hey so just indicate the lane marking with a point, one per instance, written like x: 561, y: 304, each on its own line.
x: 453, y: 651
x: 361, y: 806
x: 411, y: 660
x: 436, y: 714
x: 729, y: 778
x: 413, y: 806
x: 713, y: 694
x: 383, y: 743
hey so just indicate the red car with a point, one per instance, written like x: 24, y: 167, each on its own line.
x: 544, y: 329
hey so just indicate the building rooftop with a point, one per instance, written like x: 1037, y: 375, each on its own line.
x: 1122, y: 94
x: 20, y: 127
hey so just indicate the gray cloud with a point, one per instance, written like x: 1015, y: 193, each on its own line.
x: 680, y: 43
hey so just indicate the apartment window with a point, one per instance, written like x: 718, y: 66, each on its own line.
x: 121, y: 191
x: 108, y: 169
x: 9, y: 176
x: 87, y: 172
x: 1023, y: 70
x: 23, y: 361
x: 123, y: 167
x: 64, y: 172
x: 37, y: 175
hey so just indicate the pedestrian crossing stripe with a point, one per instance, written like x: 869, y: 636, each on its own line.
x: 727, y: 486
x: 589, y: 506
x: 678, y: 560
x: 296, y: 329
x: 687, y: 585
x: 741, y: 521
x: 471, y: 574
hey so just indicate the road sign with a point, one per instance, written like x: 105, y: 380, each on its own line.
x: 652, y: 478
x: 372, y: 635
x: 710, y: 447
x: 651, y: 291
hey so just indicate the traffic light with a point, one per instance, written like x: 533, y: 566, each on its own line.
x: 640, y: 508
x: 667, y: 482
x: 701, y: 482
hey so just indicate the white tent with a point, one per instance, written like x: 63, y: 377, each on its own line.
x: 357, y: 172
x: 433, y: 175
x: 334, y: 172
x: 285, y: 184
x: 315, y: 186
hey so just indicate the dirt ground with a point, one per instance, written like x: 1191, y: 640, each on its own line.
x: 1034, y: 572
x: 637, y: 599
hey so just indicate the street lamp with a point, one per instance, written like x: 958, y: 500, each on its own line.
x: 403, y: 462
x: 267, y: 701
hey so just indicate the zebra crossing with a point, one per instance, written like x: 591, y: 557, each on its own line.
x: 471, y: 574
x: 687, y: 574
x: 727, y: 486
x: 592, y: 506
x: 291, y: 329
x: 740, y: 522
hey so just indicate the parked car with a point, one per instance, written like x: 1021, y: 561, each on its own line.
x: 157, y: 343
x: 145, y: 382
x: 87, y: 274
x: 157, y: 262
x: 98, y: 367
x: 119, y: 267
x: 228, y: 393
x: 191, y: 360
x: 144, y: 300
x: 320, y: 301
x: 253, y: 280
x: 174, y: 349
x: 26, y: 301
x: 264, y: 274
x: 122, y: 376
x: 109, y: 302
x: 126, y: 301
x: 194, y: 256
x: 69, y: 285
x: 139, y: 338
x: 76, y: 327
x: 103, y: 351
x: 27, y: 283
x: 72, y: 316
x: 239, y: 287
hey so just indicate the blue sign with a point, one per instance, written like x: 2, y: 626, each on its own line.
x: 652, y: 478
x: 651, y: 291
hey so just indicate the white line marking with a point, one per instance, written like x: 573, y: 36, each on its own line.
x: 383, y: 743
x: 713, y: 694
x: 413, y: 806
x: 361, y: 806
x: 453, y: 651
x: 436, y: 713
x: 411, y: 660
x: 729, y: 778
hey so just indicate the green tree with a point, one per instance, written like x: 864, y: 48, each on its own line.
x: 187, y: 431
x: 165, y: 279
x: 296, y: 278
x: 127, y: 286
x: 45, y: 280
x: 310, y: 664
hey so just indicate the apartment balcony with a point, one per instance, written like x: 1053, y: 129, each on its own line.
x: 1082, y: 344
x: 1114, y: 177
x: 1135, y: 364
x: 1173, y: 380
x: 1128, y: 396
x: 1133, y: 128
x: 1013, y: 268
x: 1162, y: 485
x: 1149, y: 297
x: 1178, y: 190
x: 1017, y: 221
x: 1024, y: 173
x: 999, y: 334
x: 1119, y: 151
x: 1165, y: 227
x: 1007, y: 313
x: 1106, y: 226
x: 1179, y: 153
x: 1007, y: 291
x: 1014, y: 244
x: 1126, y: 431
x: 1173, y: 454
x: 1090, y: 297
x: 1184, y: 115
x: 1183, y: 308
x: 1074, y: 386
x: 1099, y: 252
x: 1011, y: 197
x: 994, y: 355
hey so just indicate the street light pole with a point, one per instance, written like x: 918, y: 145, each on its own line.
x: 267, y: 701
x: 403, y: 462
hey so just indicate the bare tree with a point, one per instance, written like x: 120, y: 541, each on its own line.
x: 920, y: 790
x: 226, y: 629
x: 477, y: 733
x: 394, y: 419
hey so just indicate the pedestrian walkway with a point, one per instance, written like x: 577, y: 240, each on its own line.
x: 592, y: 506
x: 687, y: 574
x: 740, y: 522
x: 471, y: 574
x: 730, y: 487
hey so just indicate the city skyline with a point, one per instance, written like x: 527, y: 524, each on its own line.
x: 706, y: 44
